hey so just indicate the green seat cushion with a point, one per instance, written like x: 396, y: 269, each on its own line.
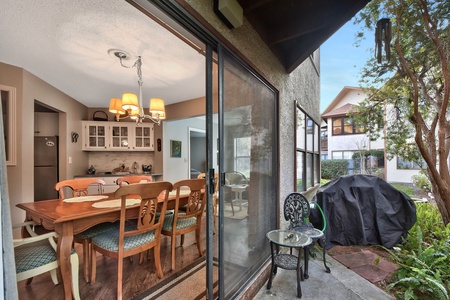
x: 96, y: 230
x: 109, y: 240
x: 31, y: 256
x: 181, y: 223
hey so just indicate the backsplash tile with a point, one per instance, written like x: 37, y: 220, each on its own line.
x: 108, y: 161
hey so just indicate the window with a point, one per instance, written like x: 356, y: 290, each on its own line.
x: 8, y: 102
x: 343, y: 125
x: 347, y: 155
x: 307, y: 135
x: 406, y: 165
x: 242, y: 148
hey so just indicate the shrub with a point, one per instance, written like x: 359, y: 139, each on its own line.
x: 424, y: 263
x: 334, y: 168
x: 422, y: 182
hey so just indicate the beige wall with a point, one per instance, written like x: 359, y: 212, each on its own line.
x: 29, y: 89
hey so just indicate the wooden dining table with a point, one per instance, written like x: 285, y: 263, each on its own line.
x: 70, y: 218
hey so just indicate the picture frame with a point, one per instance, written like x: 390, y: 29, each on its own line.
x: 175, y: 148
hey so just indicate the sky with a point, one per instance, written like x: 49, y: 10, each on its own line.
x: 341, y: 62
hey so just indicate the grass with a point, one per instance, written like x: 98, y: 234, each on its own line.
x: 408, y: 190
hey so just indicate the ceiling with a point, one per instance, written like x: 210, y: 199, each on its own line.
x: 66, y: 44
x: 294, y: 29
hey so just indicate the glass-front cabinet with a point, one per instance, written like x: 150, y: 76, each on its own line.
x: 143, y: 137
x: 115, y: 136
x: 120, y: 137
x: 95, y: 136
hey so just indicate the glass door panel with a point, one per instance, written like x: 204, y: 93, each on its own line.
x: 249, y: 192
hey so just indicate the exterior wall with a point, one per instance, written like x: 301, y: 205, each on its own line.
x: 30, y: 88
x: 398, y: 175
x: 351, y: 142
x: 303, y: 84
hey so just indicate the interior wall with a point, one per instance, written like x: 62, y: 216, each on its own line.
x: 177, y: 168
x: 29, y: 89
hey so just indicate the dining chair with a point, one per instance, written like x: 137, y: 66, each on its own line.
x: 297, y: 211
x: 133, y: 179
x: 215, y: 196
x: 134, y: 236
x: 79, y: 188
x: 188, y: 219
x: 36, y: 255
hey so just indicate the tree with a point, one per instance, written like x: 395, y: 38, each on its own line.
x: 409, y: 93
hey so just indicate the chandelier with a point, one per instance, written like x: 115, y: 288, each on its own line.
x: 130, y: 106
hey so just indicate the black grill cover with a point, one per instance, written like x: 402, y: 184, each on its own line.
x: 363, y: 210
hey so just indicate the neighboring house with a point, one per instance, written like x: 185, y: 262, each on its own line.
x: 340, y: 139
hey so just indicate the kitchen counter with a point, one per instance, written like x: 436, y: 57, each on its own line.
x: 120, y: 174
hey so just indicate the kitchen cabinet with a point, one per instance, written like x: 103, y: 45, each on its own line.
x: 120, y: 136
x: 95, y: 136
x: 144, y: 137
x: 115, y: 136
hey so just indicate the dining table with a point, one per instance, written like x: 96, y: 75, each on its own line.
x: 74, y: 215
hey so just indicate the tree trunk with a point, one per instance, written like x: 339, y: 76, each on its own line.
x: 442, y: 197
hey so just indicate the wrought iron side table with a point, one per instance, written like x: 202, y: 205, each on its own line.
x: 290, y: 239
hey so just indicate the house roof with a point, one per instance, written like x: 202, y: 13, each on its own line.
x: 341, y: 111
x: 294, y: 29
x: 345, y: 90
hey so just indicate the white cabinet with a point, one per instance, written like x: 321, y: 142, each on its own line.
x: 115, y: 136
x: 120, y: 136
x: 144, y: 137
x: 109, y: 187
x: 95, y: 136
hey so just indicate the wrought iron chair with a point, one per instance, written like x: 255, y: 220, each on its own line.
x: 188, y: 220
x: 134, y: 236
x: 296, y: 211
x: 79, y: 188
x: 36, y: 254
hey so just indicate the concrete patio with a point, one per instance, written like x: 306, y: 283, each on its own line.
x: 341, y: 283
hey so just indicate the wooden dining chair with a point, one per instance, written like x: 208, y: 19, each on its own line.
x: 79, y: 188
x: 36, y: 255
x: 188, y: 219
x: 134, y: 235
x: 133, y: 179
x: 215, y: 196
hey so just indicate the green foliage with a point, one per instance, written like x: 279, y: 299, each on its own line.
x: 424, y: 263
x: 334, y: 168
x: 422, y: 182
x: 408, y: 95
x: 324, y: 181
x: 408, y: 190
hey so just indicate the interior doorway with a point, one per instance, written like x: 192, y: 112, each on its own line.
x: 46, y: 152
x: 197, y: 152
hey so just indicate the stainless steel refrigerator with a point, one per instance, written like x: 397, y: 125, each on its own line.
x: 45, y: 167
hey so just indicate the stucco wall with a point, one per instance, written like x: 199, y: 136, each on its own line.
x: 303, y: 84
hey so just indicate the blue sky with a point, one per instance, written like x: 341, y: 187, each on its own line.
x: 341, y: 62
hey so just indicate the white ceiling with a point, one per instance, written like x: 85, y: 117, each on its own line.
x: 66, y: 44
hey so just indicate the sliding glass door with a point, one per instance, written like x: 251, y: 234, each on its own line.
x: 248, y: 166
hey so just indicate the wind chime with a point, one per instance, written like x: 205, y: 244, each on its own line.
x: 383, y: 35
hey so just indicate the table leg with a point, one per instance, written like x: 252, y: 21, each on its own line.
x: 63, y: 254
x: 306, y: 254
x: 299, y: 275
